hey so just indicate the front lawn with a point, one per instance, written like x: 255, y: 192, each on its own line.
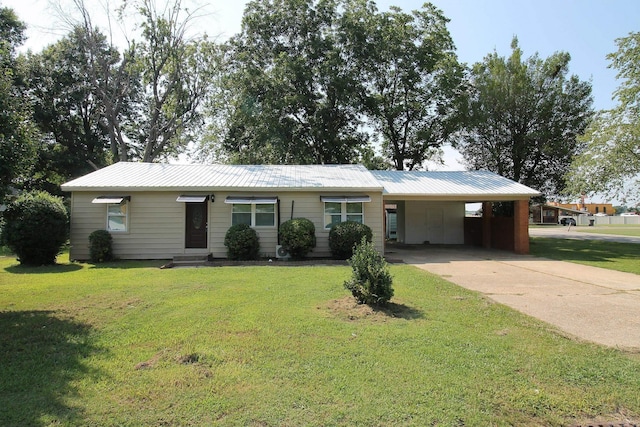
x: 618, y: 230
x: 612, y: 255
x: 130, y: 344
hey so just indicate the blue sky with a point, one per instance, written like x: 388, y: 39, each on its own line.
x: 587, y: 29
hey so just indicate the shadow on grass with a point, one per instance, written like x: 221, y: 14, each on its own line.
x: 44, y: 269
x: 128, y: 264
x: 41, y: 355
x: 401, y: 311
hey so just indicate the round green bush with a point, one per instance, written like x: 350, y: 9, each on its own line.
x: 298, y: 237
x: 35, y: 227
x: 345, y: 235
x: 371, y: 281
x: 100, y: 246
x: 242, y: 242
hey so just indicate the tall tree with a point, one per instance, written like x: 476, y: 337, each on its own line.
x: 525, y: 117
x: 410, y: 80
x: 17, y: 133
x: 610, y: 164
x: 290, y: 89
x: 74, y: 136
x: 153, y: 93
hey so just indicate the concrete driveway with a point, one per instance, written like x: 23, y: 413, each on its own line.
x: 593, y: 304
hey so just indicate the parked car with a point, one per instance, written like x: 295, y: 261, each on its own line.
x: 567, y: 220
x: 600, y: 214
x: 629, y: 214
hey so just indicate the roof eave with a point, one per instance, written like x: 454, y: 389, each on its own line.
x: 69, y: 188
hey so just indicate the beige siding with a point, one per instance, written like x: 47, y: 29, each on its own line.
x: 156, y: 223
x: 433, y: 222
x: 155, y: 230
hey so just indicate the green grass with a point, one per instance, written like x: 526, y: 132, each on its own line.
x: 612, y: 255
x: 618, y: 230
x: 129, y: 344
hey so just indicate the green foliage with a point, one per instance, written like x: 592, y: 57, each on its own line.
x: 67, y: 111
x: 17, y: 133
x: 524, y: 118
x: 610, y: 164
x: 298, y: 237
x: 409, y: 78
x: 100, y: 246
x: 344, y: 236
x: 290, y: 92
x: 242, y: 242
x: 306, y: 74
x: 371, y: 281
x: 35, y: 227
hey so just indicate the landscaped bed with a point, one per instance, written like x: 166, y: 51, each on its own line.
x: 127, y: 343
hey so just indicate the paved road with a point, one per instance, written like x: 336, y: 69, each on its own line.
x: 593, y: 304
x: 572, y: 233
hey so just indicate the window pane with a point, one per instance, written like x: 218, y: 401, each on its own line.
x: 265, y: 219
x: 117, y: 223
x: 241, y: 218
x: 354, y: 207
x: 331, y: 220
x: 117, y: 209
x: 265, y: 209
x: 356, y: 218
x: 241, y: 209
x: 332, y: 208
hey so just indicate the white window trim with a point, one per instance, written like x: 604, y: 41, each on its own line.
x: 343, y: 212
x: 253, y: 215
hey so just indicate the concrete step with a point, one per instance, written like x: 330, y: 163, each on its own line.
x: 190, y: 259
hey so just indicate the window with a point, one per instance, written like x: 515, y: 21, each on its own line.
x: 241, y: 214
x: 337, y: 212
x: 117, y: 216
x: 253, y: 211
x: 117, y: 211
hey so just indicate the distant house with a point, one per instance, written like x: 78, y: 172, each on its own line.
x: 588, y: 208
x: 160, y: 211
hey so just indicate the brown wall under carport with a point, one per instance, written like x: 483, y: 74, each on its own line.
x: 505, y: 233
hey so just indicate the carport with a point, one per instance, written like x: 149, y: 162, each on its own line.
x: 430, y: 208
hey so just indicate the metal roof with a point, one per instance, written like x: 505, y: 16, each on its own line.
x: 458, y: 185
x: 158, y: 177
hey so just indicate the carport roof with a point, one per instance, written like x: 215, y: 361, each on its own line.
x: 471, y: 186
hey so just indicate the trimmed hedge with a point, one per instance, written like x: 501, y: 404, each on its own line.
x: 100, y: 246
x: 371, y: 281
x: 242, y: 243
x: 298, y: 237
x: 35, y: 227
x: 344, y: 236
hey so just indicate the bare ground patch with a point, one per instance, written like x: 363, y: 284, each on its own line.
x: 347, y: 308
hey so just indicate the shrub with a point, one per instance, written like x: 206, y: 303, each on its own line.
x: 345, y: 235
x: 100, y: 246
x: 298, y: 237
x: 370, y: 281
x: 35, y: 227
x: 242, y: 242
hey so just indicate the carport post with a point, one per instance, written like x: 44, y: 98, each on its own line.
x: 521, y: 227
x: 487, y: 213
